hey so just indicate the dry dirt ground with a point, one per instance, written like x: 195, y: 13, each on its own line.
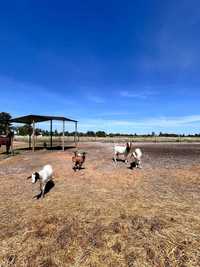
x: 102, y: 215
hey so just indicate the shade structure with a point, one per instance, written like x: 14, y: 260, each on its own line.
x: 39, y: 118
x: 32, y: 119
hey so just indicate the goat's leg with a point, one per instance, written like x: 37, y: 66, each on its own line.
x: 139, y: 165
x: 41, y: 187
x: 74, y: 167
x: 126, y: 160
x: 43, y: 190
x: 39, y: 195
x: 7, y: 148
x: 77, y: 166
x: 115, y: 157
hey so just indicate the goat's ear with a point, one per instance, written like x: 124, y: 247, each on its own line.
x: 29, y: 177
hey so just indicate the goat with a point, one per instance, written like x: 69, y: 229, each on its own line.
x: 44, y: 176
x: 122, y: 150
x: 78, y: 159
x: 7, y: 141
x: 137, y: 155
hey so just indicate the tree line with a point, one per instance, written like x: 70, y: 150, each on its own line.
x: 26, y: 129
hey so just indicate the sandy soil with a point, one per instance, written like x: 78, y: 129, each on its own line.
x: 103, y: 215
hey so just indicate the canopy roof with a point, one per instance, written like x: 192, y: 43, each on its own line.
x: 39, y: 118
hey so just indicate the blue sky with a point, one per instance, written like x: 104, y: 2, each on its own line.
x: 117, y: 66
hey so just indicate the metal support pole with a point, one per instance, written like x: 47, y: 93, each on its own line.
x: 63, y: 137
x: 75, y: 134
x: 29, y: 138
x: 51, y: 133
x: 33, y: 137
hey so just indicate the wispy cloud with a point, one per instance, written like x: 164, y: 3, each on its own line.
x: 116, y: 113
x: 143, y: 94
x: 166, y: 123
x: 176, y: 125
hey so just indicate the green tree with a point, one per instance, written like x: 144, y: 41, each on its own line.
x: 55, y: 133
x: 101, y: 134
x: 28, y: 130
x: 90, y: 133
x: 5, y: 124
x: 24, y: 130
x: 38, y: 131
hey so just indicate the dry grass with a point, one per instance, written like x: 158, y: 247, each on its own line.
x: 103, y: 215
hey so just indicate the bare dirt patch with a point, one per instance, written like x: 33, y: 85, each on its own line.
x: 103, y: 215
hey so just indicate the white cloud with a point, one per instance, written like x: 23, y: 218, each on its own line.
x: 184, y: 124
x: 116, y: 113
x: 175, y: 123
x: 143, y: 94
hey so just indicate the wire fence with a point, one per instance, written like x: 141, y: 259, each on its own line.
x: 117, y: 139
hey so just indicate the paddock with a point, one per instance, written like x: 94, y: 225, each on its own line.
x: 103, y: 215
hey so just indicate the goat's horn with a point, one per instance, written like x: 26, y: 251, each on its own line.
x: 29, y: 177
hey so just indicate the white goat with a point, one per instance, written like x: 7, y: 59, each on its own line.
x: 122, y: 150
x: 44, y: 176
x: 137, y: 155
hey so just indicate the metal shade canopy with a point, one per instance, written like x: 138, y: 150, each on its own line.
x: 32, y: 119
x: 39, y: 118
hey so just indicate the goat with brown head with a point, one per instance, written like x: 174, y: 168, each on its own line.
x: 78, y: 159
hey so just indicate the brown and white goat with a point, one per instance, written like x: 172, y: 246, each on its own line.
x: 122, y: 150
x: 43, y: 176
x: 78, y: 159
x: 137, y: 155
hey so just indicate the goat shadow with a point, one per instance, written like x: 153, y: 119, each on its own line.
x: 132, y: 165
x: 78, y: 169
x: 121, y: 160
x: 50, y: 184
